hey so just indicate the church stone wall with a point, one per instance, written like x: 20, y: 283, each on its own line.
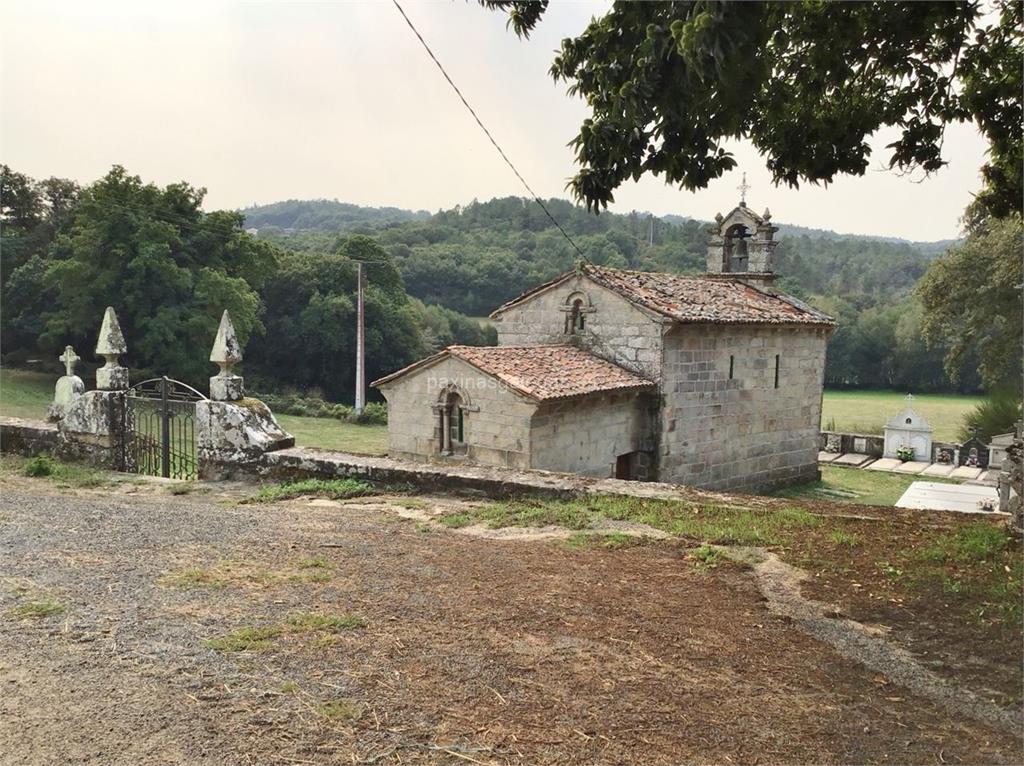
x: 585, y: 436
x: 741, y: 433
x: 614, y: 328
x: 496, y: 428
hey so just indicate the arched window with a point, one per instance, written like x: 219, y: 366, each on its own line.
x: 576, y: 308
x: 452, y: 412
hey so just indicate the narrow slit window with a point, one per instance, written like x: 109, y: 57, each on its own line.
x: 776, y: 370
x: 731, y: 360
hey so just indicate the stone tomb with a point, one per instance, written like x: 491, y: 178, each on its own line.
x: 908, y: 429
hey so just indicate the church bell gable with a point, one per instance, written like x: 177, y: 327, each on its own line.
x: 742, y: 244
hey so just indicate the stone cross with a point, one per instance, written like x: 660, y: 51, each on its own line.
x: 69, y: 387
x: 69, y: 357
x: 910, y: 399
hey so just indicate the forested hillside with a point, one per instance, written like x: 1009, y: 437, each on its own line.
x: 473, y: 258
x: 323, y: 214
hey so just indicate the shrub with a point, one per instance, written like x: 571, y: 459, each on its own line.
x: 40, y: 465
x: 375, y: 413
x: 995, y: 414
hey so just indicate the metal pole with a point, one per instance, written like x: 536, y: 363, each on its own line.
x: 360, y: 345
x: 165, y: 431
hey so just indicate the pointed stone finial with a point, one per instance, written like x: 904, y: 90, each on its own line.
x: 111, y: 340
x: 225, y: 386
x: 110, y: 345
x: 226, y: 350
x: 767, y: 215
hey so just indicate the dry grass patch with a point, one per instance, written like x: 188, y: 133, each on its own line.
x: 241, y: 574
x: 261, y: 638
x: 36, y: 609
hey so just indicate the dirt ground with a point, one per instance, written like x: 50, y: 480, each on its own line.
x: 469, y: 650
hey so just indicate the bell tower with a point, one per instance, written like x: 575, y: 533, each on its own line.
x: 742, y: 243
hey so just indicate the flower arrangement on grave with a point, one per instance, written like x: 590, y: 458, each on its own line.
x: 905, y: 453
x: 987, y: 504
x: 945, y: 457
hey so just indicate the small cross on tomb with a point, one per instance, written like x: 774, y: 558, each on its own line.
x: 69, y: 357
x: 743, y: 188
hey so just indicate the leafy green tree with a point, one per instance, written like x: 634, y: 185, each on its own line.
x: 168, y: 268
x: 31, y: 214
x: 310, y: 320
x: 669, y: 83
x: 972, y: 302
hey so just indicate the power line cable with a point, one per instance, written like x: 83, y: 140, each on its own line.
x: 536, y: 197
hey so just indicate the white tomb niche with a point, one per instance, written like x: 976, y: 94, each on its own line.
x: 908, y: 430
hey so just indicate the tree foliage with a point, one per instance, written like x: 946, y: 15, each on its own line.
x: 670, y: 83
x: 972, y: 301
x: 168, y: 268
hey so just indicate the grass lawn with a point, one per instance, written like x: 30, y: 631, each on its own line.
x: 26, y: 394
x: 328, y: 433
x: 855, y: 485
x: 867, y: 411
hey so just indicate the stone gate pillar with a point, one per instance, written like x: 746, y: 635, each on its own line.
x: 233, y: 431
x: 92, y: 427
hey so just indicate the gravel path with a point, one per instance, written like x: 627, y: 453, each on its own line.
x: 472, y: 650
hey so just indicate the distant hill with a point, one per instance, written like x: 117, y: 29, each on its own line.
x: 324, y: 215
x: 333, y: 216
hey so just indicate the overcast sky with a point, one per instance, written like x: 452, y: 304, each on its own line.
x: 263, y: 101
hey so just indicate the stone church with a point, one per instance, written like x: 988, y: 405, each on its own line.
x: 713, y: 381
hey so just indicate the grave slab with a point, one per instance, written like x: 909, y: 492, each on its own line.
x: 912, y: 466
x: 935, y: 496
x: 827, y: 457
x: 854, y: 459
x: 965, y: 472
x: 938, y: 469
x: 991, y: 476
x: 885, y: 464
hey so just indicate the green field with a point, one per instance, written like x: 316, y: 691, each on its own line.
x: 867, y: 411
x: 329, y: 433
x: 25, y: 394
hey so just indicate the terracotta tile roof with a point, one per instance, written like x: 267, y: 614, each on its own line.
x: 540, y: 372
x: 692, y: 299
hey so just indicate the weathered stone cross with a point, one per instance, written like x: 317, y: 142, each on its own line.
x: 69, y: 357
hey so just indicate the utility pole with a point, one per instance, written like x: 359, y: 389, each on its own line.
x: 650, y: 241
x: 360, y: 345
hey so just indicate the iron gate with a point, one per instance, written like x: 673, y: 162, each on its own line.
x: 160, y: 429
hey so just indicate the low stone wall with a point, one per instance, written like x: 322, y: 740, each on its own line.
x: 841, y: 442
x: 27, y: 437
